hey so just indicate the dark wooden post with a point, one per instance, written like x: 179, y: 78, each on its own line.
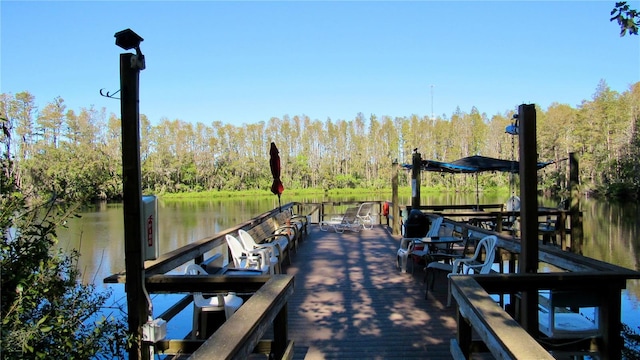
x: 464, y: 335
x: 574, y: 207
x: 610, y: 311
x: 528, y: 211
x: 280, y: 333
x: 138, y: 308
x: 415, y: 180
x: 395, y: 209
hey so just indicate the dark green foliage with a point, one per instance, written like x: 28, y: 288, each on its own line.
x: 627, y: 18
x: 45, y: 312
x: 631, y: 349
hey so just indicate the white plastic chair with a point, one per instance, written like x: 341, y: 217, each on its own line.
x: 466, y: 265
x: 407, y: 250
x: 270, y: 250
x: 247, y: 259
x: 279, y: 243
x: 228, y: 303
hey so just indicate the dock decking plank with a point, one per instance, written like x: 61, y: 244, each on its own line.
x: 350, y: 301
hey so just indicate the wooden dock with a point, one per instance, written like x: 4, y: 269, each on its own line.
x: 342, y: 297
x: 350, y: 301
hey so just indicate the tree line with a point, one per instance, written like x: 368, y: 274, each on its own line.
x: 54, y: 149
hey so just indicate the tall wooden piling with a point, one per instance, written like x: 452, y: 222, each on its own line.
x: 395, y: 214
x: 415, y: 180
x: 574, y: 206
x: 137, y: 306
x: 528, y: 212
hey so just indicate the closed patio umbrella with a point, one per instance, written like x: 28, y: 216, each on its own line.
x: 274, y: 162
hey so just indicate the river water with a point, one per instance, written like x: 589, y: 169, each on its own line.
x: 611, y: 234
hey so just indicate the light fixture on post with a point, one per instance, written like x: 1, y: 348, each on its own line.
x: 128, y: 39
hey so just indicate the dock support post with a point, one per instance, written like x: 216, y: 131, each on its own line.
x: 528, y: 212
x: 415, y: 180
x: 395, y: 214
x: 138, y: 308
x: 574, y: 207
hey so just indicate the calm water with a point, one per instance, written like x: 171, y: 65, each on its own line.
x: 610, y: 234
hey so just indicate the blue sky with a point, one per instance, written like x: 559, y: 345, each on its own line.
x: 243, y: 62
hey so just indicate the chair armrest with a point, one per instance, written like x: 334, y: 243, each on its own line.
x: 253, y: 253
x: 270, y: 239
x: 283, y: 228
x: 301, y: 218
x: 256, y: 256
x: 470, y: 263
x: 270, y: 248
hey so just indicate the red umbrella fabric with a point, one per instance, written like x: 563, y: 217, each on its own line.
x: 274, y: 162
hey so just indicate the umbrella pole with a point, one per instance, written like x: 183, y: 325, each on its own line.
x: 279, y: 204
x: 477, y: 194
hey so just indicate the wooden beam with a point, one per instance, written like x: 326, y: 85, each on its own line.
x: 176, y: 308
x: 206, y: 284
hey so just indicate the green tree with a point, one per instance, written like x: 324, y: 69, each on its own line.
x: 627, y: 18
x: 51, y: 119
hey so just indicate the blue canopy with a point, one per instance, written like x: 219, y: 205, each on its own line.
x: 474, y: 164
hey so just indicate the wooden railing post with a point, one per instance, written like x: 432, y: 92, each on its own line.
x: 612, y: 343
x: 562, y: 228
x: 464, y: 335
x: 280, y: 333
x: 415, y: 180
x: 395, y: 209
x: 576, y: 216
x: 137, y: 303
x: 528, y: 212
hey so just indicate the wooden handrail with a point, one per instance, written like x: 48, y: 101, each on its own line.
x: 238, y: 336
x: 502, y: 335
x: 498, y: 330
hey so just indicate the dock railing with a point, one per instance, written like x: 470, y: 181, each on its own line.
x: 326, y: 210
x: 235, y: 339
x: 494, y: 320
x: 238, y: 337
x: 505, y: 338
x: 557, y: 222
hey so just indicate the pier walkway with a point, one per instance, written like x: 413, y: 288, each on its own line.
x: 350, y: 301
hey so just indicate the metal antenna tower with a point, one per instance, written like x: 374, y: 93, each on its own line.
x: 432, y: 117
